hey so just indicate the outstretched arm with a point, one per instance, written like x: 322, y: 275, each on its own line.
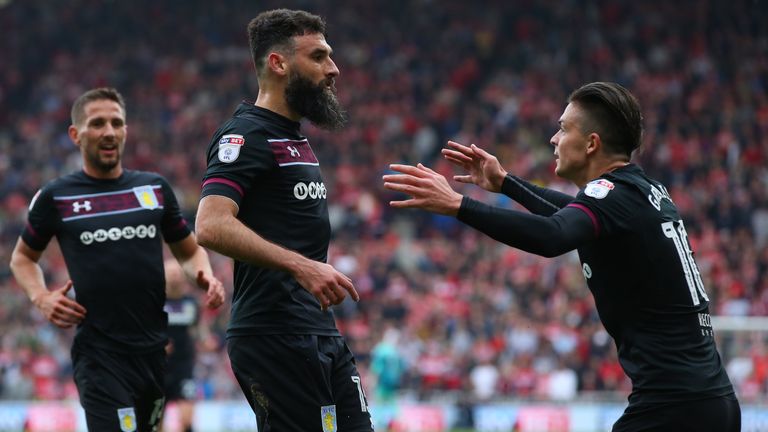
x: 485, y: 171
x: 543, y: 235
x: 219, y: 229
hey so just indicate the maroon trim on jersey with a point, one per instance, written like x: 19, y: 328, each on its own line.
x: 227, y: 182
x: 96, y: 204
x: 33, y: 232
x: 591, y: 215
x: 292, y: 152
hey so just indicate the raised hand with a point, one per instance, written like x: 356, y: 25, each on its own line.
x: 328, y: 285
x: 214, y: 289
x: 60, y: 309
x: 429, y: 190
x: 483, y: 168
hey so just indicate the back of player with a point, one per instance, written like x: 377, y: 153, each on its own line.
x: 651, y: 299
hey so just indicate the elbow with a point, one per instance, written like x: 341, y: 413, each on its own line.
x: 205, y: 236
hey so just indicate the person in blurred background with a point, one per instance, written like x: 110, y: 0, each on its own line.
x: 183, y: 318
x: 264, y: 204
x: 633, y: 247
x: 109, y: 223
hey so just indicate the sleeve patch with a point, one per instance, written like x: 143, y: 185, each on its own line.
x: 598, y: 188
x: 229, y: 147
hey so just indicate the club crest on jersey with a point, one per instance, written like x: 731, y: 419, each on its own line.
x: 598, y: 188
x: 146, y: 197
x: 328, y: 417
x: 127, y: 418
x: 229, y: 147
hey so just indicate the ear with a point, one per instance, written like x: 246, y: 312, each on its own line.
x: 74, y: 134
x: 594, y: 143
x: 277, y: 63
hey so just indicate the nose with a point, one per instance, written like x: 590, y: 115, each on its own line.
x: 109, y: 130
x: 333, y: 70
x: 555, y: 138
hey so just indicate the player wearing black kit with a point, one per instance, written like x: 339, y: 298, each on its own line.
x: 110, y: 224
x: 264, y: 203
x: 633, y: 247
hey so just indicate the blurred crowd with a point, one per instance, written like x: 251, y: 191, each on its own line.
x: 445, y: 312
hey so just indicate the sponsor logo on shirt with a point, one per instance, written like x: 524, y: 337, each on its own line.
x: 313, y: 190
x: 115, y: 234
x: 598, y: 188
x: 229, y: 147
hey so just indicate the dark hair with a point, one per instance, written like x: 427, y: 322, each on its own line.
x: 275, y: 29
x: 613, y: 113
x: 109, y: 93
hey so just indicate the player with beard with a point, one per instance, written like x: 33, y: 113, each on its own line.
x: 110, y: 223
x: 264, y: 204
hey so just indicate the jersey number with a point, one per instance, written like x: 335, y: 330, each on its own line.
x: 360, y: 393
x: 680, y: 238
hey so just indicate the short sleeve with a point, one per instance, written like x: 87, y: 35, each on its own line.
x: 42, y: 220
x: 173, y: 226
x: 236, y: 159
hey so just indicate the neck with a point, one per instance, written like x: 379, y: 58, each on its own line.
x: 597, y: 171
x: 113, y: 173
x: 275, y: 102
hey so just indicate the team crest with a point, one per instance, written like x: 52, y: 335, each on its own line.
x: 229, y: 147
x: 146, y: 196
x: 127, y: 418
x: 599, y: 188
x: 328, y: 417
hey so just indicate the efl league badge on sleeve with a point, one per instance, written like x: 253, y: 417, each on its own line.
x: 127, y: 418
x: 229, y: 147
x: 146, y: 196
x: 328, y: 417
x: 598, y: 189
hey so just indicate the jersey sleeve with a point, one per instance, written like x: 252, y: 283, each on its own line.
x: 536, y: 199
x: 174, y: 227
x: 42, y: 220
x: 236, y: 158
x: 607, y: 204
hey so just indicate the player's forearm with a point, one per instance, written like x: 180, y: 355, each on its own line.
x: 232, y: 238
x: 29, y: 275
x: 536, y: 199
x: 540, y: 235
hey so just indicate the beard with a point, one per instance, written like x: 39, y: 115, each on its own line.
x: 102, y: 164
x: 315, y: 102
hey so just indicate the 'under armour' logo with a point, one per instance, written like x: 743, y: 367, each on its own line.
x: 86, y: 205
x: 294, y: 151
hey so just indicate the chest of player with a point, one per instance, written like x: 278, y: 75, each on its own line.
x: 91, y: 219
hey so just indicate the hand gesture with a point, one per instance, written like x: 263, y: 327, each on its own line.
x: 328, y: 285
x: 429, y: 190
x: 60, y: 309
x: 483, y: 168
x: 214, y: 287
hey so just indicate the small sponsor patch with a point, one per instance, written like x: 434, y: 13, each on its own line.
x: 146, y: 197
x: 328, y: 417
x: 598, y: 189
x: 229, y: 147
x: 127, y: 418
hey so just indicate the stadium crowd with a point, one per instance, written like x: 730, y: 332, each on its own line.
x: 444, y: 311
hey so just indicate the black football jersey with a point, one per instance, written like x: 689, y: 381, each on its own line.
x: 260, y: 160
x: 648, y: 289
x: 183, y: 315
x: 110, y: 234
